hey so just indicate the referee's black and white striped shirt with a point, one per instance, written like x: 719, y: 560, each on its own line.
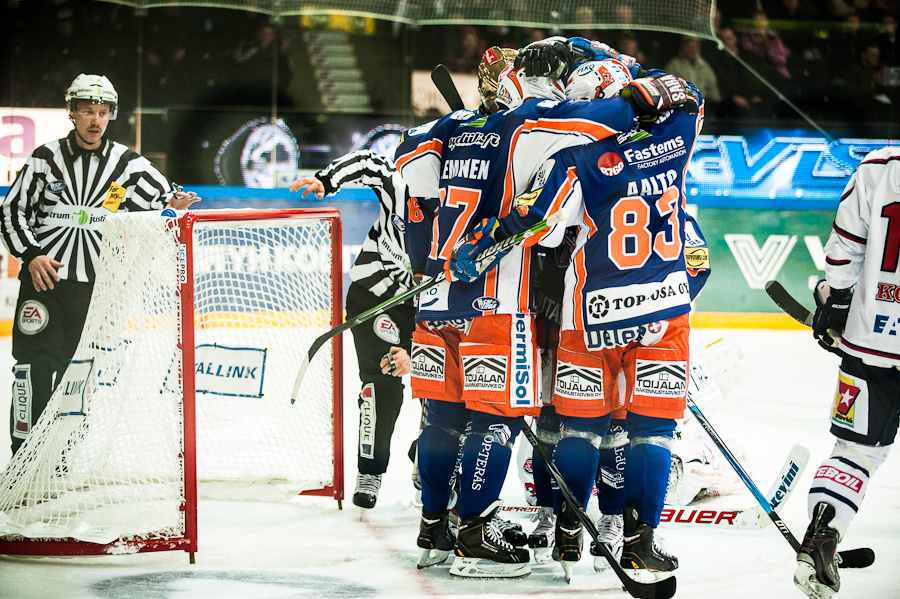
x: 60, y: 198
x: 382, y: 265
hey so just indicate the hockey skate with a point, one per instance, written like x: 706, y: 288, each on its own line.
x: 817, y: 562
x: 643, y: 557
x: 512, y: 532
x: 541, y: 539
x: 366, y: 493
x: 482, y: 550
x: 436, y: 538
x: 610, y: 527
x: 568, y: 539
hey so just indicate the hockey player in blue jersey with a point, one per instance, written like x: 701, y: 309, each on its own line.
x: 626, y: 308
x: 474, y: 354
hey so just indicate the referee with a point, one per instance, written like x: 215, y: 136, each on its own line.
x: 381, y: 271
x: 51, y: 221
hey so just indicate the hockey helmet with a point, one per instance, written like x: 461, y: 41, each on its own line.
x: 598, y: 79
x: 513, y: 88
x: 93, y: 88
x: 494, y: 60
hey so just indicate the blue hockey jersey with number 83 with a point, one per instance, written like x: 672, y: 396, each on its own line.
x: 626, y: 196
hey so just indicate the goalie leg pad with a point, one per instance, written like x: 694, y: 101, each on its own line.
x: 647, y: 470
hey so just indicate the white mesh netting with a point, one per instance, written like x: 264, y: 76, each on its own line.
x: 106, y: 459
x: 679, y: 16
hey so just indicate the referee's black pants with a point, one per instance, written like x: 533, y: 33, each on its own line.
x: 379, y: 406
x: 45, y: 334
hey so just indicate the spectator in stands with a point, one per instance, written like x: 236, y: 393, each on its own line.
x: 761, y: 40
x: 849, y: 42
x: 256, y: 57
x: 464, y: 57
x: 689, y: 65
x: 628, y: 44
x: 743, y: 94
x: 887, y: 40
x: 584, y: 18
x: 864, y: 88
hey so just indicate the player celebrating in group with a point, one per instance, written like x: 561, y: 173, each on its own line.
x: 626, y: 305
x: 474, y: 355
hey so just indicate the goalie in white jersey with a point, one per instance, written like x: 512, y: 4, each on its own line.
x: 858, y: 317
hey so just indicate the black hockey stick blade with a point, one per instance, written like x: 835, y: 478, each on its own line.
x: 857, y: 558
x: 661, y: 589
x: 444, y: 83
x: 788, y: 304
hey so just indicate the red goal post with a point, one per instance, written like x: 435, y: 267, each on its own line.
x: 113, y: 464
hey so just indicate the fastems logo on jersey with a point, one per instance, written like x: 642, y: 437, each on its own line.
x: 660, y: 379
x: 428, y: 362
x: 576, y: 382
x: 485, y: 373
x: 656, y: 154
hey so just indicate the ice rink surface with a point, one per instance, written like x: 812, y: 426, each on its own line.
x: 306, y: 547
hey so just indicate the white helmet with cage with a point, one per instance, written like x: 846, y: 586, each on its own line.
x: 598, y: 79
x: 92, y: 88
x: 513, y: 88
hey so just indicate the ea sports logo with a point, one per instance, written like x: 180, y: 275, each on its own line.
x: 610, y: 164
x: 386, y: 329
x: 32, y: 317
x: 598, y: 306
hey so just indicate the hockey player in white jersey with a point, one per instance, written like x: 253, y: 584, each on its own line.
x: 858, y: 317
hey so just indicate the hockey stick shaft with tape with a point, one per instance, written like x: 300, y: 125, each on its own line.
x: 854, y: 558
x: 662, y: 589
x: 442, y: 80
x: 483, y: 259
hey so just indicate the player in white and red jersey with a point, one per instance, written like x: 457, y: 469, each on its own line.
x: 484, y: 368
x: 858, y: 317
x: 626, y: 304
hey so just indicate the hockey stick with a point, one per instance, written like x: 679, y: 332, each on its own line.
x: 661, y: 589
x: 482, y: 260
x: 788, y: 304
x: 444, y: 83
x: 853, y: 558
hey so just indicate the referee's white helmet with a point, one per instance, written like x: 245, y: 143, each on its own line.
x: 93, y: 88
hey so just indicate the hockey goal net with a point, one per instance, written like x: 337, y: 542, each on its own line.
x: 183, y: 373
